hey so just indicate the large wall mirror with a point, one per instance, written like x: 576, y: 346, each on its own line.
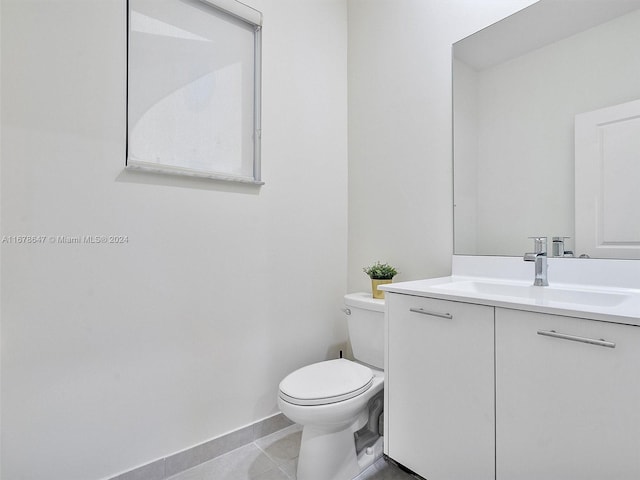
x: 546, y: 108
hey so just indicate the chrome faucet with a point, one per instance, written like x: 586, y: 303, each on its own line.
x: 539, y: 256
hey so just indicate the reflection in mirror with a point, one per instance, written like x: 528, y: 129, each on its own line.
x: 518, y: 86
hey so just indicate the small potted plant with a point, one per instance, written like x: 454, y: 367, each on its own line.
x: 380, y: 273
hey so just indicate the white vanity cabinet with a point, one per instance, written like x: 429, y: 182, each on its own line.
x: 440, y: 387
x: 566, y: 409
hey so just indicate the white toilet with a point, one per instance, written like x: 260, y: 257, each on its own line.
x: 339, y: 402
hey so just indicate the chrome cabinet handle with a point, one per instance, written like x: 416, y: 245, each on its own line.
x: 433, y: 314
x: 601, y: 343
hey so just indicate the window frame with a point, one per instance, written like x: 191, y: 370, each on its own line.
x: 251, y: 17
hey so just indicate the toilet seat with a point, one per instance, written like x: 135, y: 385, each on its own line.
x: 326, y: 382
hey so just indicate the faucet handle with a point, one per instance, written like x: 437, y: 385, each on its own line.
x: 540, y: 244
x: 558, y: 247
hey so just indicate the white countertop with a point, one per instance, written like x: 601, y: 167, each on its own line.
x: 609, y: 301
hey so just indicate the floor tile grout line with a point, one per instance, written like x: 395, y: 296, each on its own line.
x: 273, y: 459
x: 278, y: 432
x: 279, y: 465
x: 269, y: 457
x: 286, y: 474
x: 265, y: 452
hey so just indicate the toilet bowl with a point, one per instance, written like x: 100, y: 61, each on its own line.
x: 338, y: 402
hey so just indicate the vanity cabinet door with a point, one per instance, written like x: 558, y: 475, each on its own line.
x: 440, y: 388
x: 566, y: 409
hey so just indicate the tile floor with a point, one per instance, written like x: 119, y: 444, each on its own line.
x: 274, y: 457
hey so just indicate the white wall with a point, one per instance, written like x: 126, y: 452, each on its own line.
x: 400, y: 199
x: 115, y: 355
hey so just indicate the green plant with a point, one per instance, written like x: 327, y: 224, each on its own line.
x: 380, y: 271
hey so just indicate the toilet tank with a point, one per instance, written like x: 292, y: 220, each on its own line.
x: 365, y: 320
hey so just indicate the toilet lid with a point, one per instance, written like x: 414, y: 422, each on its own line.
x: 326, y: 382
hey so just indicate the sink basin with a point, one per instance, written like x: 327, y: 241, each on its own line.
x: 534, y: 294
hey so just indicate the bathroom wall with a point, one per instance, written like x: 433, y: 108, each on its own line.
x: 400, y: 184
x: 114, y: 355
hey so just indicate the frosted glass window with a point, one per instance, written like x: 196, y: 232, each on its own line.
x: 193, y: 89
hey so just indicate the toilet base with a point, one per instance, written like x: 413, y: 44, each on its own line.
x: 327, y: 455
x: 332, y: 455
